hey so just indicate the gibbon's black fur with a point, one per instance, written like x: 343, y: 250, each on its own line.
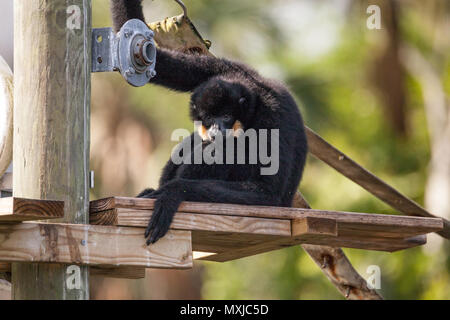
x: 223, y: 91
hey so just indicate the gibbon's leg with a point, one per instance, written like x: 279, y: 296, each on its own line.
x: 173, y: 193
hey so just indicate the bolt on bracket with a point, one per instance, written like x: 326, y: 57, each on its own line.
x: 131, y: 51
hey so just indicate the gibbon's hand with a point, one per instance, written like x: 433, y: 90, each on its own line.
x: 166, y: 205
x: 147, y: 193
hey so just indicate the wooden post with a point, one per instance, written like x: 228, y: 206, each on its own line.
x: 51, y: 129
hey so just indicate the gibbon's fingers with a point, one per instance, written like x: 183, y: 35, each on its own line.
x: 159, y: 229
x: 152, y: 195
x: 152, y: 223
x: 148, y: 229
x: 145, y: 193
x: 162, y: 228
x: 152, y: 238
x: 155, y: 236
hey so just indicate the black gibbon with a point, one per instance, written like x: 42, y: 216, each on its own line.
x: 225, y: 95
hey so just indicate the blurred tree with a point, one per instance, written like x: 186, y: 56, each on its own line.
x: 387, y: 72
x: 430, y: 68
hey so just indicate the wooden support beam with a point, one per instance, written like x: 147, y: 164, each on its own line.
x: 52, y: 56
x: 233, y: 252
x: 370, y: 244
x: 93, y: 245
x: 19, y: 209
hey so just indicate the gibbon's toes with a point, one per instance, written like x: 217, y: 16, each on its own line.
x: 146, y: 193
x: 152, y: 224
x: 159, y: 229
x: 163, y: 212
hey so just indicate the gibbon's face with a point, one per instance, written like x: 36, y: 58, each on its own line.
x: 222, y: 107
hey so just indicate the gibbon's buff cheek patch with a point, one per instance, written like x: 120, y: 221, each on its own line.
x: 238, y: 129
x: 203, y: 133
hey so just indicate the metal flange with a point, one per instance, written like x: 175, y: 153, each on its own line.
x: 132, y: 52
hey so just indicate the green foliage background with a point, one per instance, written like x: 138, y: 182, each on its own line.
x: 323, y: 51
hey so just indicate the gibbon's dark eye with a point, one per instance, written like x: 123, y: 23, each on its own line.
x: 242, y: 100
x: 207, y: 121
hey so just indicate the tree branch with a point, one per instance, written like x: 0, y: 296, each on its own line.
x: 336, y: 266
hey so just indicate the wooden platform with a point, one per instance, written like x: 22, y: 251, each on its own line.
x: 113, y: 243
x: 223, y: 232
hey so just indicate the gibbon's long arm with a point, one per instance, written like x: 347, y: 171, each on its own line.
x: 185, y: 72
x: 124, y: 10
x: 174, y: 70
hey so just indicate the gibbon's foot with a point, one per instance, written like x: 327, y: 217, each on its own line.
x: 146, y: 193
x: 166, y: 205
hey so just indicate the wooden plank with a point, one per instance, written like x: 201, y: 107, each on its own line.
x: 93, y: 246
x: 120, y: 272
x: 352, y: 170
x: 196, y: 222
x: 105, y: 204
x: 19, y: 209
x: 370, y: 224
x: 369, y: 244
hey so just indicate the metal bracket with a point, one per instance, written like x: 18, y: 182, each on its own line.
x: 132, y: 52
